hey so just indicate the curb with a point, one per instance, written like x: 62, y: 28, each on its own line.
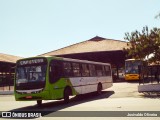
x: 6, y: 92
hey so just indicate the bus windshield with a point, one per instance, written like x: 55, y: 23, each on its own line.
x: 30, y: 76
x: 131, y: 67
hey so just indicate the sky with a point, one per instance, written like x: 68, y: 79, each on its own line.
x: 33, y: 27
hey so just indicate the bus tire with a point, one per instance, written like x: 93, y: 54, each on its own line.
x: 39, y: 102
x: 99, y: 88
x: 66, y: 95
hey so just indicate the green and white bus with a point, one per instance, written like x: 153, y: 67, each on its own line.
x: 50, y: 78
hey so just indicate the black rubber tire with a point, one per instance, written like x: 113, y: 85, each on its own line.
x: 39, y: 102
x: 66, y: 96
x: 99, y: 89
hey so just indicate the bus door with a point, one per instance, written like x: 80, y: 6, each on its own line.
x: 55, y: 71
x: 55, y: 74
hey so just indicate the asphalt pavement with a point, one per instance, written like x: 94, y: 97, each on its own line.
x: 121, y: 97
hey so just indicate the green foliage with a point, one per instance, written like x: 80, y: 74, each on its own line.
x: 142, y: 44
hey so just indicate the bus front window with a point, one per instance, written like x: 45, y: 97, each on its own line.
x: 132, y: 67
x: 29, y: 76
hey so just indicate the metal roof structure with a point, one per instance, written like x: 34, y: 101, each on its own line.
x: 96, y: 49
x: 8, y: 58
x: 96, y: 44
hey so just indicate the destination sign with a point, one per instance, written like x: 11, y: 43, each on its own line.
x: 31, y: 61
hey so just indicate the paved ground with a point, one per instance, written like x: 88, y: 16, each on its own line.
x: 121, y: 97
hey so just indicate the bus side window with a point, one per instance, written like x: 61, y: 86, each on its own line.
x: 76, y: 69
x: 67, y: 69
x: 92, y: 70
x: 108, y: 70
x: 104, y: 72
x: 99, y: 70
x: 85, y: 70
x: 55, y: 71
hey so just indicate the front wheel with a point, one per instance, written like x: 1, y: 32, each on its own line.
x: 66, y: 96
x: 39, y: 102
x: 99, y: 89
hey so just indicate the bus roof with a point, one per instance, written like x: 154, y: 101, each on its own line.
x: 67, y: 59
x: 84, y: 61
x: 132, y: 59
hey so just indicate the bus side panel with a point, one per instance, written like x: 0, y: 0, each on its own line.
x: 76, y: 83
x: 57, y: 89
x: 106, y: 82
x: 90, y: 84
x: 107, y: 85
x: 84, y: 85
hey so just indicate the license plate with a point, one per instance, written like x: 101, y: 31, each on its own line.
x: 28, y: 97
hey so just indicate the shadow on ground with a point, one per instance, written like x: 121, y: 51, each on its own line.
x: 51, y: 107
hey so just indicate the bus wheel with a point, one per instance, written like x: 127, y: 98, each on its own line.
x: 66, y: 95
x: 39, y: 102
x: 99, y: 89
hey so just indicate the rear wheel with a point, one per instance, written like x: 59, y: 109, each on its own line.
x: 66, y: 95
x: 39, y: 102
x: 99, y: 89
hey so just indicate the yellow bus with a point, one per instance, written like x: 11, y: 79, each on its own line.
x: 131, y: 69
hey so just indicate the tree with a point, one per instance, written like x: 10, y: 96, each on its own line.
x: 142, y: 44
